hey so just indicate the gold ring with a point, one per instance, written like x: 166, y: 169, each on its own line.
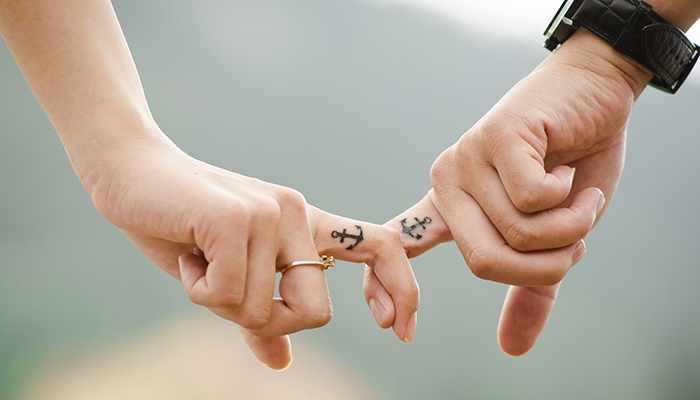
x: 325, y: 263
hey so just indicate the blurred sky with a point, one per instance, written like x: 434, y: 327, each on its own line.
x: 520, y: 20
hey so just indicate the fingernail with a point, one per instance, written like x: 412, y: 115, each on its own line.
x: 579, y: 252
x: 411, y: 328
x: 377, y: 311
x: 600, y: 204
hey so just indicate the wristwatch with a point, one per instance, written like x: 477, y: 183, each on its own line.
x: 632, y: 28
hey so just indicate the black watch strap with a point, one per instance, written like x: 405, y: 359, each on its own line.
x: 632, y: 28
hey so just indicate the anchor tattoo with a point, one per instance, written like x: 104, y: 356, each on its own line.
x: 344, y: 235
x: 419, y: 224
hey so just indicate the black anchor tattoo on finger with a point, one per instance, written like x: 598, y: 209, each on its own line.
x: 408, y: 230
x: 345, y: 235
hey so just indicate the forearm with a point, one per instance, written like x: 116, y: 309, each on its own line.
x: 77, y: 62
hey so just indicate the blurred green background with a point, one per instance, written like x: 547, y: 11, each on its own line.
x: 350, y: 102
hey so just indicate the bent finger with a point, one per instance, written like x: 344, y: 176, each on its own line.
x: 275, y: 352
x: 254, y: 311
x: 193, y: 269
x: 521, y: 169
x: 380, y: 248
x: 378, y: 299
x: 548, y: 229
x: 525, y: 313
x: 161, y: 252
x: 305, y: 302
x: 224, y: 246
x: 489, y: 256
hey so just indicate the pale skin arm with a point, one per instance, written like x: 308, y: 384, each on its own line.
x: 223, y: 234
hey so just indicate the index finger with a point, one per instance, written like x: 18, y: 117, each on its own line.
x: 487, y: 253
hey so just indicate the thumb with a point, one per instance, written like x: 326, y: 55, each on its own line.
x: 421, y: 227
x: 524, y: 316
x: 275, y: 351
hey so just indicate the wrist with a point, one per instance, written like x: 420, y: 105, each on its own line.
x: 585, y: 50
x: 634, y: 29
x: 99, y: 150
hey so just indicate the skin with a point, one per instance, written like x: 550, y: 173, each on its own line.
x: 522, y: 188
x: 525, y: 310
x: 225, y: 235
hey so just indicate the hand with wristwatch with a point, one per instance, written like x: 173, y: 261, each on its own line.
x: 522, y: 188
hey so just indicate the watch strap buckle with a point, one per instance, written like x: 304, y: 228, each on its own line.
x: 562, y: 26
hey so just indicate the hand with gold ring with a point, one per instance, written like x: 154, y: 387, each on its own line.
x: 391, y: 291
x: 242, y: 229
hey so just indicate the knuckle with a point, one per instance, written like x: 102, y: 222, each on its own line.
x: 254, y: 319
x: 414, y: 293
x: 318, y: 316
x: 552, y: 276
x: 292, y: 199
x: 440, y: 170
x: 449, y: 168
x: 481, y: 264
x: 408, y: 294
x: 527, y: 200
x: 457, y: 165
x: 520, y: 237
x: 231, y: 299
x: 235, y: 208
x: 268, y: 211
x: 388, y: 237
x: 466, y: 147
x: 196, y: 298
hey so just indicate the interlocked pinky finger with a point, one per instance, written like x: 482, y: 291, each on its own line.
x: 381, y: 249
x: 378, y: 299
